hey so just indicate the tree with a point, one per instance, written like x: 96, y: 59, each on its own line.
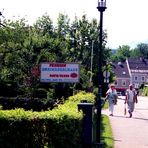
x: 24, y: 47
x: 122, y: 53
x: 143, y: 49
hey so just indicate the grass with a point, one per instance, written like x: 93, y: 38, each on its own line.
x: 105, y: 105
x: 106, y: 130
x: 106, y: 133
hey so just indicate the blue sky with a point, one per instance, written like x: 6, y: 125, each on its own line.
x: 125, y: 20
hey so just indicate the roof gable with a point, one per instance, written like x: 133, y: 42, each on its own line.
x: 120, y: 69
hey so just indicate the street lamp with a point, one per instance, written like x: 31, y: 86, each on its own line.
x: 101, y: 8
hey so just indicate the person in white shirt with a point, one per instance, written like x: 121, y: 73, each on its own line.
x: 111, y: 96
x: 131, y: 99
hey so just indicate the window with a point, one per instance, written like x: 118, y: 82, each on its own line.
x: 116, y: 82
x: 136, y: 78
x: 123, y: 82
x: 143, y: 78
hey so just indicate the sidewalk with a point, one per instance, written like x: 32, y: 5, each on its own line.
x: 130, y: 132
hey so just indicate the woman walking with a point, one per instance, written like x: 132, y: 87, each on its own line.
x: 111, y: 96
x: 131, y: 99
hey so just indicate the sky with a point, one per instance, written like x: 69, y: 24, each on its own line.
x: 125, y: 20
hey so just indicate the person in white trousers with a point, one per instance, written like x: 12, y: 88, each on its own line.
x: 111, y: 96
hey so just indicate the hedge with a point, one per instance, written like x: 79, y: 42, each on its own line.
x: 57, y: 128
x: 35, y: 104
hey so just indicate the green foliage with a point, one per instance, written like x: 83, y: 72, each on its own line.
x: 105, y: 105
x: 38, y: 129
x: 60, y: 127
x: 145, y: 91
x: 143, y: 49
x: 123, y: 52
x: 24, y: 47
x: 107, y: 139
x: 90, y: 97
x: 53, y: 128
x: 35, y: 104
x: 106, y: 134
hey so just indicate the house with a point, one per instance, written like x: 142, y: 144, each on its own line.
x: 132, y: 71
x: 138, y: 68
x: 121, y: 72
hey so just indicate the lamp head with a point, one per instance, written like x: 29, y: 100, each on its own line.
x: 101, y: 5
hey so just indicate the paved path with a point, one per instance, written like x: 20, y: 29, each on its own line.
x: 130, y: 132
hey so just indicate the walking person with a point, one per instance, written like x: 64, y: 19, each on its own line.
x: 111, y: 96
x: 131, y: 99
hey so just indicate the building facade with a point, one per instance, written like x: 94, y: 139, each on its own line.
x: 138, y: 68
x: 132, y: 71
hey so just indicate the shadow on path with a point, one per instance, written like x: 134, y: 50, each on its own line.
x: 141, y: 108
x: 137, y: 118
x: 145, y: 119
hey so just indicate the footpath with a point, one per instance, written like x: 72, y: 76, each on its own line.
x: 130, y: 132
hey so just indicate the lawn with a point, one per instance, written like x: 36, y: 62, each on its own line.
x: 106, y: 131
x: 107, y: 136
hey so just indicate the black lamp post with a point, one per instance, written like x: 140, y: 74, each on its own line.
x: 101, y: 8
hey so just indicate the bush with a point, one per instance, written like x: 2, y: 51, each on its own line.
x: 35, y: 104
x: 145, y: 91
x: 8, y: 89
x: 21, y: 128
x: 90, y: 97
x: 60, y: 127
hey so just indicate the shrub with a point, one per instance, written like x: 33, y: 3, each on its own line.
x: 35, y: 104
x: 60, y: 127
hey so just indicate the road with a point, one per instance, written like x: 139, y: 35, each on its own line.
x: 130, y: 132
